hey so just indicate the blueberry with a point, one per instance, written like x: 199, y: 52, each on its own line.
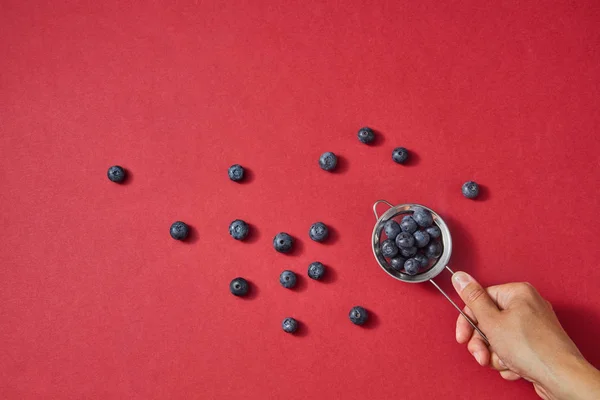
x: 179, y: 230
x: 408, y: 224
x: 388, y: 248
x: 366, y: 135
x: 328, y: 161
x: 434, y: 232
x: 421, y: 238
x: 470, y: 189
x: 422, y: 259
x: 318, y: 232
x: 239, y: 287
x: 358, y: 315
x: 116, y: 174
x: 411, y: 266
x: 238, y: 229
x: 405, y: 239
x: 283, y: 242
x: 287, y: 279
x: 400, y: 155
x: 434, y: 250
x: 289, y: 325
x: 423, y: 218
x: 408, y: 251
x: 397, y: 263
x: 236, y: 172
x: 316, y: 270
x: 391, y: 228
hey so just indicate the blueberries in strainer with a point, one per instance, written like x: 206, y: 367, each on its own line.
x: 397, y: 263
x: 421, y: 238
x: 408, y: 224
x: 405, y: 239
x: 422, y: 259
x: 423, y: 218
x: 388, y: 248
x: 434, y: 250
x: 411, y: 266
x: 392, y: 229
x: 408, y: 251
x: 434, y: 232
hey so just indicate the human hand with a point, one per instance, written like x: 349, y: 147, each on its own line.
x: 526, y: 339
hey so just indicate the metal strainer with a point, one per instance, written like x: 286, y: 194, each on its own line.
x: 397, y: 212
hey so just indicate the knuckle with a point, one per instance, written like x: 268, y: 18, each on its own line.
x: 474, y: 295
x: 526, y: 289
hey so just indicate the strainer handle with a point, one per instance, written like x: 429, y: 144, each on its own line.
x: 459, y: 309
x: 376, y: 204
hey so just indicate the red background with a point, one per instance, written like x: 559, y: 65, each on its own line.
x: 97, y: 301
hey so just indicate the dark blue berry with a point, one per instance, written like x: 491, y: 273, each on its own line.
x: 389, y: 248
x: 405, y: 239
x: 239, y: 287
x: 400, y: 155
x: 287, y: 279
x: 470, y: 189
x: 316, y: 270
x: 408, y: 224
x: 366, y: 135
x: 318, y: 232
x: 392, y: 229
x: 408, y: 252
x: 397, y: 263
x: 236, y: 172
x: 434, y: 232
x: 238, y: 229
x: 423, y: 218
x: 179, y: 230
x: 358, y: 315
x: 412, y: 266
x: 116, y: 174
x: 421, y: 238
x: 434, y: 250
x: 328, y: 161
x: 289, y: 325
x: 422, y: 259
x: 283, y: 242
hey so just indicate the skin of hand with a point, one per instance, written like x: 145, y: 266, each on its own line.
x: 526, y: 339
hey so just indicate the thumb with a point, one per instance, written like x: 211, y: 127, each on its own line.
x: 474, y: 296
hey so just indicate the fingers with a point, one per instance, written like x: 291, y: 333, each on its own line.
x: 474, y: 296
x: 478, y: 348
x: 497, y: 363
x: 464, y: 330
x: 509, y: 375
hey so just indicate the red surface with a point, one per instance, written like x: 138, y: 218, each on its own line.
x: 96, y: 300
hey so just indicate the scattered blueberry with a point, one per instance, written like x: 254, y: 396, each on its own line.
x: 408, y: 251
x: 397, y: 263
x: 236, y: 172
x: 421, y: 238
x: 116, y: 174
x: 283, y: 242
x: 287, y: 279
x: 239, y: 287
x: 408, y: 224
x: 179, y: 230
x: 434, y: 232
x: 405, y: 239
x: 318, y: 232
x: 423, y: 218
x: 328, y: 161
x: 238, y: 229
x: 388, y: 248
x: 289, y: 325
x: 358, y: 315
x: 400, y: 155
x: 422, y: 259
x: 391, y: 228
x: 434, y: 250
x: 470, y: 189
x: 316, y: 270
x: 366, y: 135
x: 411, y: 266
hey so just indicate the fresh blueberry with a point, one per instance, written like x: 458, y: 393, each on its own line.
x: 408, y: 252
x: 289, y: 325
x: 316, y: 270
x: 434, y: 232
x: 397, y: 263
x: 388, y: 248
x: 239, y: 287
x: 408, y: 224
x: 283, y: 242
x: 391, y: 228
x: 470, y: 189
x: 238, y: 229
x: 422, y: 259
x: 423, y: 218
x: 179, y: 230
x: 405, y: 239
x: 328, y: 161
x: 411, y: 266
x: 366, y: 135
x: 421, y: 238
x: 434, y: 250
x: 236, y: 172
x: 116, y: 174
x: 318, y: 232
x: 287, y: 279
x: 400, y: 155
x: 358, y: 315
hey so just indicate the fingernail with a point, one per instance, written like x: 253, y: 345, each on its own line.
x: 460, y: 280
x: 477, y: 356
x: 501, y: 363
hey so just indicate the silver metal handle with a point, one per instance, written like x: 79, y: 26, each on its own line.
x: 376, y: 204
x: 457, y: 307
